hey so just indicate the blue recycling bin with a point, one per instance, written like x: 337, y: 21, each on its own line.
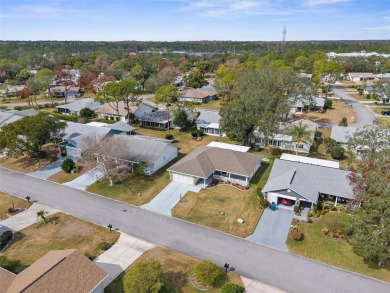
x: 273, y: 206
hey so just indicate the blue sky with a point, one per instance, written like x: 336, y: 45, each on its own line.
x: 170, y: 20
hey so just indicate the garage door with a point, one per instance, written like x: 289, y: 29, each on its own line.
x: 183, y: 178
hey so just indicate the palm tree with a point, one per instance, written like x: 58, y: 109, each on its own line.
x: 41, y: 214
x: 299, y: 132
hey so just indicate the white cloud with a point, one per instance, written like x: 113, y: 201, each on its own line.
x: 322, y: 2
x: 380, y: 28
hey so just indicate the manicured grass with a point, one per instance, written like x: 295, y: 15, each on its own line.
x: 62, y: 177
x: 383, y: 121
x: 7, y: 201
x: 134, y: 190
x: 359, y: 97
x: 336, y: 252
x: 27, y: 164
x: 378, y: 110
x: 334, y: 115
x: 177, y: 268
x: 60, y: 232
x: 212, y: 105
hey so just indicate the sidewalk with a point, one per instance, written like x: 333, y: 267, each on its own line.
x: 252, y: 286
x: 121, y: 255
x: 85, y: 180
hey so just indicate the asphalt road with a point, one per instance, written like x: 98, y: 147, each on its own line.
x: 363, y: 114
x: 277, y: 268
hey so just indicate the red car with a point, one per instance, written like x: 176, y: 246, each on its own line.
x: 286, y: 202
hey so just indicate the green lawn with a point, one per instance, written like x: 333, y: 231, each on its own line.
x: 336, y: 252
x: 212, y: 105
x: 177, y: 268
x: 8, y: 201
x: 378, y: 110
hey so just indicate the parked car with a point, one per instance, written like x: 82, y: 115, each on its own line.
x: 386, y: 113
x: 286, y: 202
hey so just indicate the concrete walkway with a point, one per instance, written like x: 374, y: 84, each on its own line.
x: 50, y: 170
x: 252, y: 286
x: 121, y: 255
x: 272, y: 229
x: 25, y: 219
x: 164, y: 202
x: 85, y: 180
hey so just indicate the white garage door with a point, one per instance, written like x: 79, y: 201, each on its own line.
x: 183, y: 178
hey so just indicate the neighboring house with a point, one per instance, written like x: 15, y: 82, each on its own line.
x: 370, y: 90
x: 76, y: 134
x: 59, y: 91
x: 57, y: 271
x: 342, y: 134
x: 10, y: 116
x: 229, y: 146
x: 156, y: 153
x: 157, y: 119
x: 206, y: 163
x: 120, y: 127
x: 108, y: 112
x: 178, y: 81
x: 208, y: 121
x: 75, y: 107
x: 285, y: 141
x: 383, y: 76
x: 360, y: 76
x: 201, y: 95
x: 11, y: 90
x: 302, y: 104
x: 305, y: 75
x: 307, y: 179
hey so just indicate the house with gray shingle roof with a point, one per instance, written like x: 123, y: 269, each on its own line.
x: 206, y: 163
x: 208, y: 121
x: 75, y: 107
x: 159, y: 119
x: 7, y: 117
x: 306, y: 180
x: 342, y: 134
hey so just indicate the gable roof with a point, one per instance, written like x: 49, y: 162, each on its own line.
x: 308, y: 180
x: 120, y: 126
x: 76, y: 133
x: 107, y: 109
x: 158, y: 117
x: 81, y: 104
x: 201, y: 93
x: 7, y: 117
x: 204, y: 160
x: 143, y: 149
x: 59, y: 271
x: 208, y: 116
x: 361, y: 74
x: 6, y: 279
x: 314, y: 101
x: 342, y: 134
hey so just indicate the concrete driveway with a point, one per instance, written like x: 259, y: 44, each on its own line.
x: 164, y: 202
x: 121, y: 255
x: 272, y: 229
x: 85, y: 180
x: 46, y: 172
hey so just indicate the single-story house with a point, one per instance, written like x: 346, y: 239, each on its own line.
x: 11, y: 90
x: 75, y: 107
x: 229, y: 146
x: 156, y: 153
x: 305, y: 75
x: 157, y: 119
x: 57, y: 271
x: 208, y: 121
x: 342, y: 134
x: 108, y: 111
x: 285, y: 141
x: 360, y: 76
x: 303, y: 103
x: 59, y: 91
x: 120, y: 127
x: 370, y: 90
x: 10, y: 116
x: 206, y: 163
x: 201, y: 95
x: 383, y: 76
x: 308, y: 180
x: 76, y: 134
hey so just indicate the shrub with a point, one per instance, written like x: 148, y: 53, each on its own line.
x: 309, y: 220
x: 334, y: 224
x: 337, y: 153
x: 328, y: 104
x: 295, y: 234
x: 296, y: 209
x: 232, y: 288
x: 276, y: 152
x: 139, y: 169
x: 104, y: 245
x: 72, y: 118
x: 197, y: 133
x: 86, y: 113
x: 68, y: 165
x: 343, y: 122
x: 310, y: 214
x: 144, y: 276
x: 206, y: 272
x: 5, y: 238
x: 169, y: 136
x: 325, y: 230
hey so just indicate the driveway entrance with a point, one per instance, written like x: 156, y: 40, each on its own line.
x: 272, y: 229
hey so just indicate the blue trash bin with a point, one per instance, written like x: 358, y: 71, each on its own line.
x: 273, y: 206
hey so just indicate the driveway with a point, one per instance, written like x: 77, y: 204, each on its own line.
x: 272, y: 229
x: 85, y: 180
x: 48, y: 171
x: 121, y: 255
x: 164, y: 202
x: 254, y: 261
x: 363, y: 114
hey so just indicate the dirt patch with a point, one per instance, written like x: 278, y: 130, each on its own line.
x: 73, y: 229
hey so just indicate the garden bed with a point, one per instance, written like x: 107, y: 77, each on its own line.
x: 216, y: 182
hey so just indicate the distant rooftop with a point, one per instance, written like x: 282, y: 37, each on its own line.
x: 311, y: 161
